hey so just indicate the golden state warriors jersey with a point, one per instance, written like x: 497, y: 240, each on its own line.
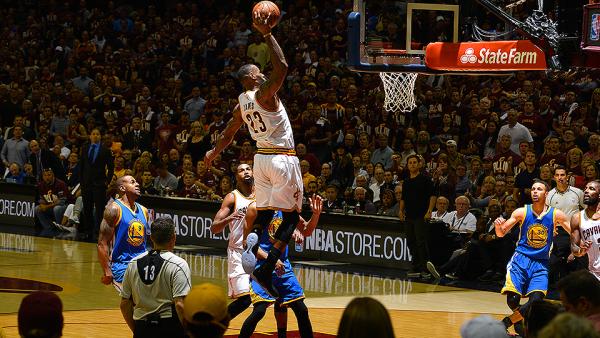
x: 130, y: 237
x: 270, y: 129
x: 536, y: 234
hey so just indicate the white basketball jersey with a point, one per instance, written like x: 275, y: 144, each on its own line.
x: 590, y: 231
x: 236, y: 227
x: 269, y: 129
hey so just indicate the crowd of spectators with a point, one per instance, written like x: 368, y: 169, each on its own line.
x: 159, y: 82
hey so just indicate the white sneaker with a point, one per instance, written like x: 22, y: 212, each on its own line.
x: 248, y: 257
x: 433, y: 270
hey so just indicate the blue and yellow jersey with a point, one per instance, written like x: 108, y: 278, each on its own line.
x: 268, y: 237
x: 536, y: 234
x: 130, y: 237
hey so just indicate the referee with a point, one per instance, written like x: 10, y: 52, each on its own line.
x: 154, y: 286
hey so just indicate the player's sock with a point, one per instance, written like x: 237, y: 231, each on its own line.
x: 258, y: 312
x: 281, y: 317
x: 239, y: 305
x: 301, y: 312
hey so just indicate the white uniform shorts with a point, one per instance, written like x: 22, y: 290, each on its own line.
x: 237, y: 279
x: 278, y: 182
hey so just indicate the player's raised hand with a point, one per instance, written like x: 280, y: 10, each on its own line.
x: 499, y: 220
x: 316, y: 203
x: 240, y: 214
x: 260, y: 21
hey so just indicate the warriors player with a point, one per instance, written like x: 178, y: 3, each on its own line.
x: 125, y: 227
x: 277, y: 176
x: 290, y: 292
x: 585, y: 228
x: 527, y: 270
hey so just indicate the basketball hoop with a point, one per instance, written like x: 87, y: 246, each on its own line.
x: 399, y: 91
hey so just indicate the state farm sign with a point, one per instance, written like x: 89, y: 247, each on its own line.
x: 485, y: 56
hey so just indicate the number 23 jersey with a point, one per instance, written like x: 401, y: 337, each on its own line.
x: 270, y: 129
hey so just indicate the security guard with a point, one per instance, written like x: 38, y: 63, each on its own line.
x: 154, y: 283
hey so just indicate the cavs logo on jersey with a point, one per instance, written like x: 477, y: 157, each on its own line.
x: 136, y: 233
x: 275, y: 223
x: 537, y: 236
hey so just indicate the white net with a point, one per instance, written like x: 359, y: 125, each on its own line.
x: 399, y: 91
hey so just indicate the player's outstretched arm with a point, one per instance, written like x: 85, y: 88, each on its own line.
x: 225, y: 214
x: 561, y: 219
x: 250, y: 218
x: 503, y: 226
x: 107, y: 232
x: 307, y: 227
x: 226, y: 136
x: 578, y: 247
x: 270, y: 87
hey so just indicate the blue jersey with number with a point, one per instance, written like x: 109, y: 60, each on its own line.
x: 130, y: 237
x: 536, y: 234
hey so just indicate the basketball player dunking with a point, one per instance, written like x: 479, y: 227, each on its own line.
x: 527, y: 270
x: 277, y: 176
x: 125, y: 227
x: 585, y: 228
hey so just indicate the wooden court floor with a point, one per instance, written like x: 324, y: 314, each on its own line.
x: 91, y: 309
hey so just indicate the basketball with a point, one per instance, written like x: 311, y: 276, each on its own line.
x: 266, y: 10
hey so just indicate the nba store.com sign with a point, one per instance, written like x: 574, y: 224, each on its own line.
x: 485, y: 56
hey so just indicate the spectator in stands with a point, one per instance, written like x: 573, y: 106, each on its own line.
x: 388, y: 205
x: 147, y: 186
x: 205, y: 312
x: 15, y: 149
x: 363, y: 205
x: 137, y: 139
x: 365, y: 317
x: 165, y: 182
x: 567, y: 325
x: 580, y: 294
x: 541, y: 312
x: 194, y: 106
x: 40, y: 315
x: 376, y: 187
x: 315, y: 164
x: 483, y: 326
x: 52, y: 203
x: 14, y: 174
x: 19, y: 121
x: 332, y: 202
x: 494, y: 251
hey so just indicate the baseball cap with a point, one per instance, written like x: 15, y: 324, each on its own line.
x: 40, y: 314
x: 451, y: 143
x: 208, y: 299
x: 483, y: 327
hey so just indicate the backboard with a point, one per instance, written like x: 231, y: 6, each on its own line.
x: 392, y: 35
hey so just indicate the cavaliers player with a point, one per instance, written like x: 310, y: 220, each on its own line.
x: 125, y: 227
x: 585, y: 228
x: 277, y: 176
x: 527, y: 270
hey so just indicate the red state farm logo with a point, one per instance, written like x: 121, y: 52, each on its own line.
x: 469, y: 56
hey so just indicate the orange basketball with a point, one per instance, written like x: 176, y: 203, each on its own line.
x: 266, y: 10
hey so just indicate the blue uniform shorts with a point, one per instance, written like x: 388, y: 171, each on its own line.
x: 287, y: 285
x: 525, y: 275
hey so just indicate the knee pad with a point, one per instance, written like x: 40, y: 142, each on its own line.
x: 513, y: 300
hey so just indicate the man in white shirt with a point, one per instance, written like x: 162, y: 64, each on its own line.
x: 155, y: 285
x: 461, y: 220
x: 517, y: 132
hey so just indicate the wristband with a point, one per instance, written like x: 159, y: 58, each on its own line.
x: 267, y: 35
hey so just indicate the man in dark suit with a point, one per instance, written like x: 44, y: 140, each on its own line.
x: 137, y: 139
x: 41, y: 159
x: 97, y: 167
